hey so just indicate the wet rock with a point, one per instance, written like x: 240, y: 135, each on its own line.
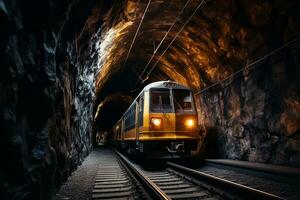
x: 37, y: 103
x: 295, y: 159
x: 274, y: 139
x: 290, y: 119
x: 292, y: 146
x: 16, y: 67
x: 3, y: 7
x: 49, y: 63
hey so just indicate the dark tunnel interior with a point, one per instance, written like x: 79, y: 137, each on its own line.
x: 70, y: 68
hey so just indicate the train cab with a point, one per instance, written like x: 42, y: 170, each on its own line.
x: 161, y: 122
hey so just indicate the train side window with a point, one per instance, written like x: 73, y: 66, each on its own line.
x: 130, y: 118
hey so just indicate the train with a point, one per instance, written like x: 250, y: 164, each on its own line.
x: 161, y: 122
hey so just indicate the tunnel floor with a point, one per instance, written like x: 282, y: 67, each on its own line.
x: 80, y: 184
x: 102, y: 175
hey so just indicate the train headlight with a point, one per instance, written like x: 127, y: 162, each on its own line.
x: 156, y: 121
x: 189, y: 122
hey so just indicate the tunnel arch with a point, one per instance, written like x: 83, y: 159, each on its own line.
x: 213, y: 45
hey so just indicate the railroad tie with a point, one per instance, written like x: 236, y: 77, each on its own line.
x: 112, y: 182
x: 176, y: 187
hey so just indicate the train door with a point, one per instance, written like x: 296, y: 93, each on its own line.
x: 140, y: 115
x: 122, y: 130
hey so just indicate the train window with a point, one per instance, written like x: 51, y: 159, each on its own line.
x: 182, y: 100
x: 130, y: 118
x: 141, y: 103
x: 161, y: 100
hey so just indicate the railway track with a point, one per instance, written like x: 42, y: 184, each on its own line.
x: 114, y: 181
x: 165, y: 184
x: 228, y: 189
x: 279, y: 180
x: 119, y: 178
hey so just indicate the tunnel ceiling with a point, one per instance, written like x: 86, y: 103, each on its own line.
x: 220, y: 38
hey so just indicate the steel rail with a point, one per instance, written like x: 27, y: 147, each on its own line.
x: 153, y: 190
x: 229, y: 187
x: 292, y: 172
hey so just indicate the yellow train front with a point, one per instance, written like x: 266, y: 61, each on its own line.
x: 160, y: 123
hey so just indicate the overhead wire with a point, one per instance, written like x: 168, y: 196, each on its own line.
x: 197, y: 8
x: 158, y: 46
x: 249, y: 65
x: 136, y: 33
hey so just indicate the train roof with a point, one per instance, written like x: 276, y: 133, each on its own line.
x: 165, y: 84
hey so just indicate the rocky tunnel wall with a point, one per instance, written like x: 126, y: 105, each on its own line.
x: 47, y: 75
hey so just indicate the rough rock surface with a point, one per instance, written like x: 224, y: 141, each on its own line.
x: 46, y: 94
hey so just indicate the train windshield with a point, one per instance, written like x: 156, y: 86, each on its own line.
x: 175, y: 100
x: 182, y: 100
x: 161, y: 100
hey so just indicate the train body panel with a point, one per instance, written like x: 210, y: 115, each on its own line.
x: 130, y: 135
x: 162, y: 120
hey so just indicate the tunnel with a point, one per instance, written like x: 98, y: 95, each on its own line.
x: 70, y: 69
